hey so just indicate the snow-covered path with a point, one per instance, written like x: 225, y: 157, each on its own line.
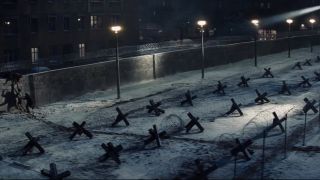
x: 176, y: 156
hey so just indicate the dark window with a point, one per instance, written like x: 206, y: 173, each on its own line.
x: 115, y: 19
x: 9, y: 4
x: 67, y: 49
x: 66, y: 23
x: 115, y: 4
x: 80, y: 22
x: 52, y: 23
x: 10, y: 26
x: 66, y: 3
x: 96, y: 5
x: 34, y: 25
x: 10, y: 55
x: 54, y: 51
x: 51, y: 1
x: 33, y: 1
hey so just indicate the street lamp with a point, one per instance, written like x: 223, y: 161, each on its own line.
x: 255, y: 22
x: 116, y: 30
x: 312, y: 21
x: 289, y: 21
x: 202, y: 23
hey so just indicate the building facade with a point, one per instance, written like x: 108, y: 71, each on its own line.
x: 53, y: 30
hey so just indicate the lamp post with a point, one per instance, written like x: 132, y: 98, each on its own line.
x: 255, y: 22
x: 116, y: 30
x: 289, y: 21
x: 202, y: 23
x: 312, y: 21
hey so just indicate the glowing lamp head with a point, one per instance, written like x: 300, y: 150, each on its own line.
x: 116, y: 29
x: 289, y: 21
x: 312, y: 21
x: 7, y: 23
x: 202, y: 23
x: 255, y: 22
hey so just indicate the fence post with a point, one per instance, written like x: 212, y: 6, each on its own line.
x: 263, y: 153
x: 154, y: 66
x: 304, y: 129
x: 285, y: 138
x: 235, y: 167
x: 255, y: 51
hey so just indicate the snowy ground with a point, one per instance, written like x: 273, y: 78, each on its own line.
x: 176, y: 157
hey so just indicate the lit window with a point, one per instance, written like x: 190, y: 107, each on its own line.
x: 34, y: 54
x: 82, y: 50
x: 96, y: 22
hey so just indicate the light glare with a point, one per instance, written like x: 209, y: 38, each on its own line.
x: 312, y: 21
x: 116, y: 29
x: 255, y: 22
x: 289, y: 21
x: 202, y: 23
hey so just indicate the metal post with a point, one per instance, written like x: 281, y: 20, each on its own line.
x: 255, y: 51
x: 311, y: 41
x: 117, y: 67
x: 304, y: 129
x: 154, y: 66
x: 285, y: 138
x: 202, y: 48
x: 289, y: 39
x: 263, y: 153
x: 235, y: 167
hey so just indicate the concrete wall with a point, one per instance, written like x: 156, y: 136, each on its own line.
x: 60, y: 84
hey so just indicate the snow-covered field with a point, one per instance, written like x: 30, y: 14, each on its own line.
x: 52, y: 123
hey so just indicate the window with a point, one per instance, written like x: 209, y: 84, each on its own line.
x: 52, y: 23
x: 34, y: 55
x: 10, y: 26
x: 82, y: 50
x: 80, y: 22
x: 115, y: 19
x: 66, y: 3
x: 67, y: 49
x: 54, y: 51
x: 66, y: 23
x: 96, y: 5
x: 10, y: 55
x: 33, y: 1
x: 115, y: 4
x: 34, y: 25
x: 51, y: 1
x: 96, y: 22
x: 9, y: 4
